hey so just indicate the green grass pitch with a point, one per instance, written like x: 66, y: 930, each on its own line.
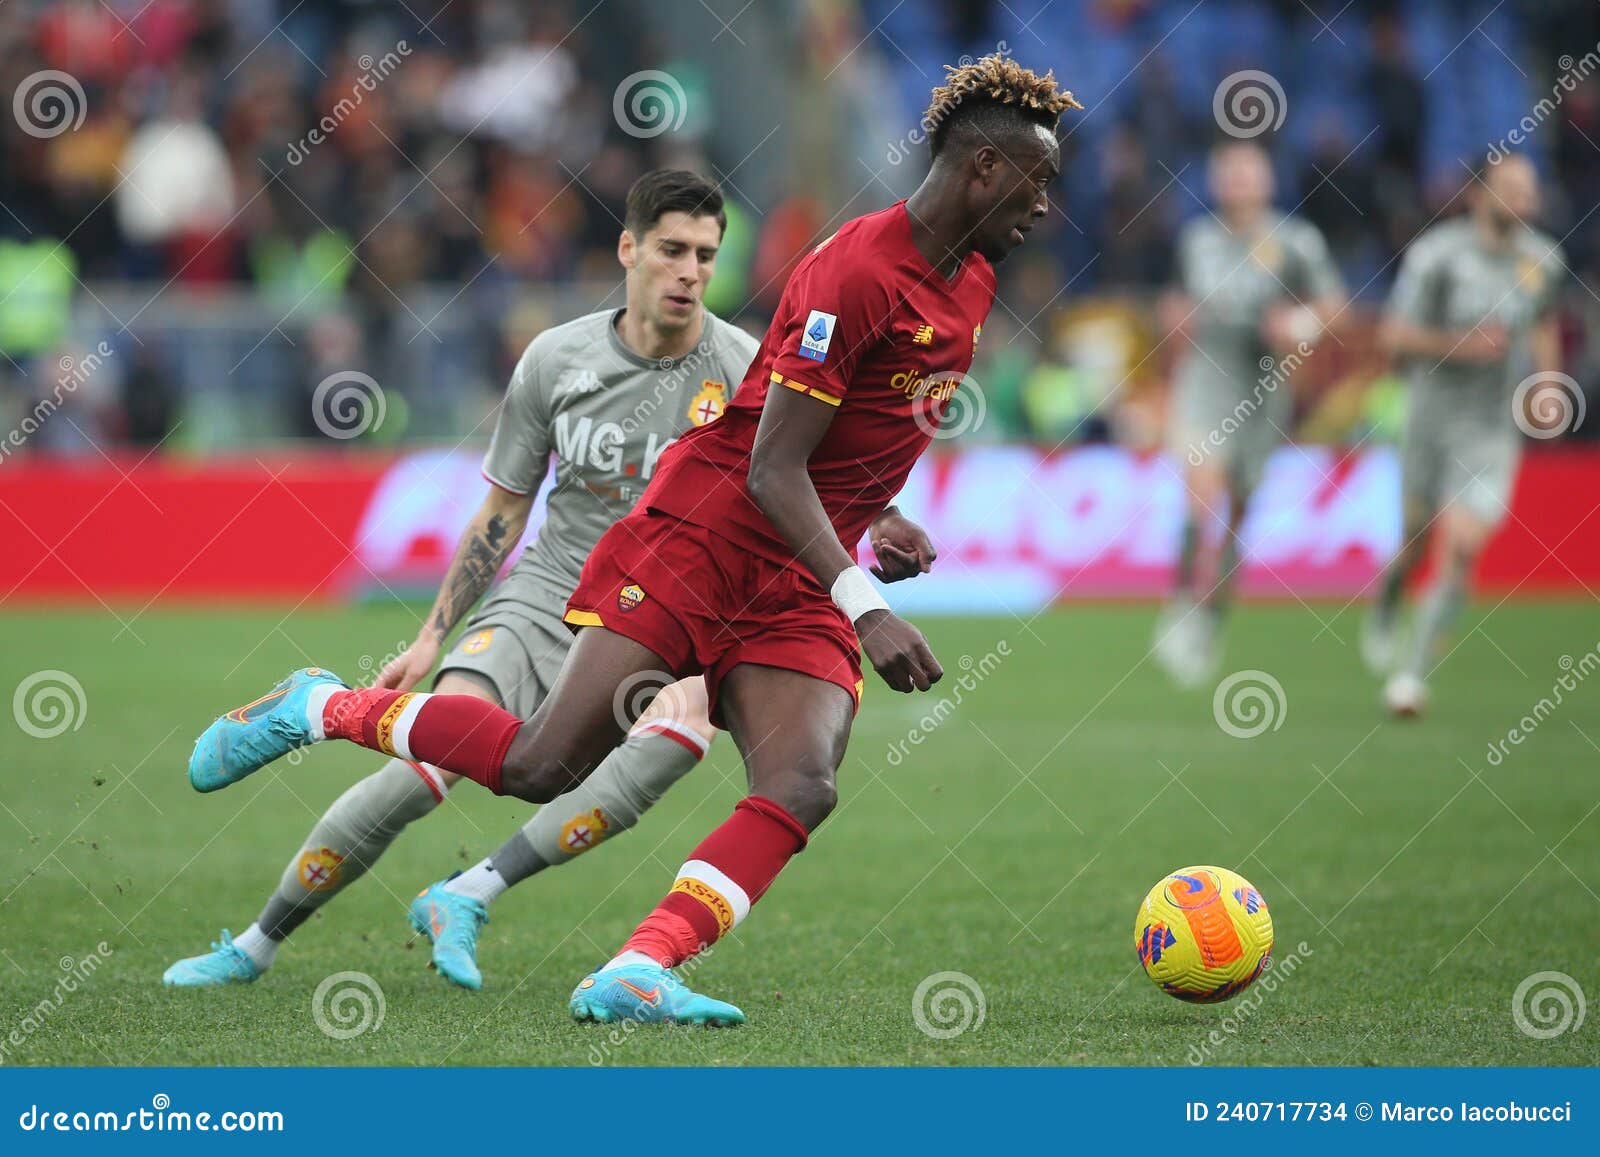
x: 1012, y: 843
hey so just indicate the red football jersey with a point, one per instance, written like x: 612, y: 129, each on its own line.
x: 867, y: 325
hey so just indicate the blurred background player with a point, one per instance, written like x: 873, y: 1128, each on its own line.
x: 1472, y: 311
x: 606, y: 393
x: 1255, y: 289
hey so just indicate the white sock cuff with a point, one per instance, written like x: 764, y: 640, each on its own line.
x: 712, y: 877
x: 316, y: 705
x: 680, y: 733
x: 257, y: 945
x: 480, y: 881
x: 401, y: 736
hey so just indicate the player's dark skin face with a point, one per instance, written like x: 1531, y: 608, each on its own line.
x: 983, y: 198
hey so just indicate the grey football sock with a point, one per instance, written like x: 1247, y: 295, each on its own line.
x: 631, y: 779
x: 346, y: 841
x: 1188, y: 551
x: 1221, y: 595
x: 1439, y: 609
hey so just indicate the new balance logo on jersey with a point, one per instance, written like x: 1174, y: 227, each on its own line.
x: 573, y: 383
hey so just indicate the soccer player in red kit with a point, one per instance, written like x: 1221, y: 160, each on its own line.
x: 737, y: 560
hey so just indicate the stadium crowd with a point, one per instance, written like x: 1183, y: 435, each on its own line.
x: 398, y: 186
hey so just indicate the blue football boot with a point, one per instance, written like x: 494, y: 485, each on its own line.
x: 451, y: 922
x: 248, y: 738
x: 646, y: 994
x: 224, y: 964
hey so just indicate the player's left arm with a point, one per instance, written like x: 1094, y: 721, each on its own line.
x: 1544, y: 345
x: 902, y: 548
x: 1544, y: 340
x: 1302, y: 324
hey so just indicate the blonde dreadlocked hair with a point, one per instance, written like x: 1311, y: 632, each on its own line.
x: 997, y: 82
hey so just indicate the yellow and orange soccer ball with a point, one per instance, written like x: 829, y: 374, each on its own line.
x: 1203, y: 934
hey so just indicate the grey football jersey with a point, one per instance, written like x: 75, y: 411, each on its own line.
x: 1450, y: 280
x: 1233, y: 279
x: 607, y: 414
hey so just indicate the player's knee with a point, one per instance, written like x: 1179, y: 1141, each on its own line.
x: 541, y: 770
x: 809, y: 793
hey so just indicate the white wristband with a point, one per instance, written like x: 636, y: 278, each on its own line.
x: 854, y: 594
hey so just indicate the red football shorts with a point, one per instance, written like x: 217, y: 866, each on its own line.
x: 705, y: 605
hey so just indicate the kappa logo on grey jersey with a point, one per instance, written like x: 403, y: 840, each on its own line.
x: 575, y: 383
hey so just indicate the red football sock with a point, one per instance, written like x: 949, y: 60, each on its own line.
x: 727, y: 873
x: 459, y: 733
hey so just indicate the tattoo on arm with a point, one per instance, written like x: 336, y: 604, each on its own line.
x: 476, y: 563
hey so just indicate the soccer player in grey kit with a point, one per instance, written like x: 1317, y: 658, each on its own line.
x: 1255, y: 290
x: 606, y: 394
x: 1472, y: 311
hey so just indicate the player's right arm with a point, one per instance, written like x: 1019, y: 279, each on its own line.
x: 514, y: 466
x: 844, y: 287
x: 792, y: 425
x: 1413, y: 327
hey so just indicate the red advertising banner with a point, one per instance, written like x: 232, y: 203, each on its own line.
x: 1016, y: 528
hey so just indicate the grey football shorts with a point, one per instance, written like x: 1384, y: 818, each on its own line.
x: 1236, y: 427
x: 1472, y: 469
x: 517, y: 641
